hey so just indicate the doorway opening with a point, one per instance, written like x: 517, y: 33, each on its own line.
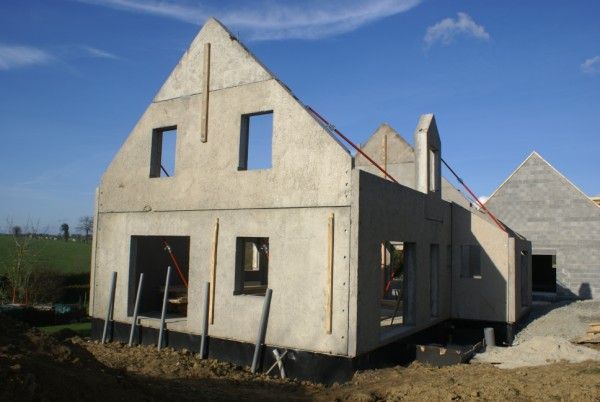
x: 151, y: 255
x: 543, y: 273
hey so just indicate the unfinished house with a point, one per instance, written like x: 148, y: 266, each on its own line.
x: 562, y: 223
x: 229, y: 179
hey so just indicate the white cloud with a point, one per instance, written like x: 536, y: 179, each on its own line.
x: 99, y: 53
x: 591, y: 66
x: 448, y: 29
x: 268, y: 20
x: 22, y: 56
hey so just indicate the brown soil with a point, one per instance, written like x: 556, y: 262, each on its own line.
x: 35, y: 366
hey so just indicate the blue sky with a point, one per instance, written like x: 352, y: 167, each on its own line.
x: 503, y: 78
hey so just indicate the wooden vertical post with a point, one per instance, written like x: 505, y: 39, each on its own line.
x: 329, y: 302
x: 213, y: 273
x: 205, y: 91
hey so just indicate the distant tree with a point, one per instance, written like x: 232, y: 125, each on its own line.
x: 16, y: 230
x: 64, y: 228
x: 86, y: 225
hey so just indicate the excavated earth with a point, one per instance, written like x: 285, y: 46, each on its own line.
x: 36, y: 366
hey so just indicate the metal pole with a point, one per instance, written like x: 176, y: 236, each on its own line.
x: 136, y: 309
x: 205, y: 320
x: 262, y: 330
x: 164, y: 309
x: 111, y: 303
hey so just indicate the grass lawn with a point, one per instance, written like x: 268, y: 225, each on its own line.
x: 81, y: 328
x: 68, y: 257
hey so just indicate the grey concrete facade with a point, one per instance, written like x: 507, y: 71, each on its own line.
x: 558, y: 219
x: 312, y: 179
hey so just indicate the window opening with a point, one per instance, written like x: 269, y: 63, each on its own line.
x: 256, y: 141
x: 164, y: 151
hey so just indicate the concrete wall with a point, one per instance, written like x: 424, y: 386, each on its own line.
x: 289, y: 203
x: 297, y: 271
x: 495, y: 294
x: 387, y: 211
x: 542, y: 205
x: 399, y: 161
x: 311, y: 177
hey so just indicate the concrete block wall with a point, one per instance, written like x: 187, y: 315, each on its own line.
x: 543, y: 206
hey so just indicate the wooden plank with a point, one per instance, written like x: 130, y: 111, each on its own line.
x: 205, y: 92
x: 329, y: 302
x: 213, y: 274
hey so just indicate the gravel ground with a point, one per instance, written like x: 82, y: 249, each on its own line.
x: 567, y: 320
x: 546, y: 337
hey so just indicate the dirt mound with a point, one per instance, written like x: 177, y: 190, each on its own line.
x: 537, y: 351
x: 36, y: 366
x: 471, y: 382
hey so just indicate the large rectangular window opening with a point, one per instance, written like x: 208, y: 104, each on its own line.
x: 252, y: 265
x: 543, y: 273
x: 151, y: 255
x: 256, y: 141
x: 397, y: 292
x: 164, y: 151
x: 470, y: 266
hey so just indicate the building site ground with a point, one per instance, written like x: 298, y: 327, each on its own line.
x: 38, y: 366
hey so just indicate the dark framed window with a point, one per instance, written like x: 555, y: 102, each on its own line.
x: 252, y: 265
x: 163, y: 152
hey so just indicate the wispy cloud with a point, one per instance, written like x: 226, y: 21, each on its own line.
x: 268, y: 20
x: 98, y: 53
x: 16, y: 56
x: 448, y: 29
x: 591, y: 66
x: 21, y: 56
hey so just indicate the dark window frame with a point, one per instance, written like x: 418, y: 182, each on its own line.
x: 245, y: 139
x: 259, y: 277
x: 157, y: 150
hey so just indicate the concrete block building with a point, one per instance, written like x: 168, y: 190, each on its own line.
x: 355, y: 262
x: 562, y: 223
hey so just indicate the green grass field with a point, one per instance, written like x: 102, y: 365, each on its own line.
x: 68, y: 257
x: 81, y: 328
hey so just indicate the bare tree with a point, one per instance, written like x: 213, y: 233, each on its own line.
x: 20, y: 262
x: 86, y: 225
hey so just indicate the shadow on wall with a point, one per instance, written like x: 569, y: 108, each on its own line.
x: 584, y: 292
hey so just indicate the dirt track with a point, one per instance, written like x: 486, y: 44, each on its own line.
x: 35, y: 366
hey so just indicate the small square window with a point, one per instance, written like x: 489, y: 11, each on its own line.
x: 470, y: 261
x: 256, y: 140
x: 162, y: 157
x: 252, y: 265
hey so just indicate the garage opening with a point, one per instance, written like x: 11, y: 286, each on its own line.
x: 397, y: 291
x: 152, y: 255
x: 543, y: 273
